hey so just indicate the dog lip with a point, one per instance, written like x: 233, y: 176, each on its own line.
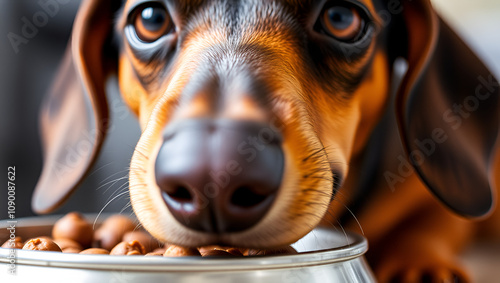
x: 338, y: 181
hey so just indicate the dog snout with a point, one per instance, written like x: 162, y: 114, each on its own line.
x: 219, y: 176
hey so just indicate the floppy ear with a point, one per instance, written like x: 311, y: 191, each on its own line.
x: 448, y: 112
x: 74, y: 116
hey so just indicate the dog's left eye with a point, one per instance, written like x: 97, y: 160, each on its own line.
x: 343, y: 22
x: 152, y: 22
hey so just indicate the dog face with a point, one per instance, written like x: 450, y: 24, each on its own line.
x: 274, y: 64
x: 252, y: 110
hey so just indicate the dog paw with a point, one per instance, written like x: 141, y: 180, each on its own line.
x: 411, y: 271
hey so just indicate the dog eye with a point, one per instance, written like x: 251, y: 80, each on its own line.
x: 344, y: 23
x: 152, y: 22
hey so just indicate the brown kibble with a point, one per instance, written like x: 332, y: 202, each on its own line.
x: 71, y: 251
x: 95, y: 251
x: 128, y: 248
x: 41, y: 237
x: 160, y: 250
x: 217, y: 253
x: 75, y: 227
x: 205, y: 249
x: 234, y: 251
x: 178, y: 251
x: 65, y: 244
x: 112, y: 231
x: 277, y: 251
x: 154, y: 254
x: 210, y: 249
x: 41, y: 244
x: 144, y: 238
x: 16, y: 243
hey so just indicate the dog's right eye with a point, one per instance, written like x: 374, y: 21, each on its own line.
x: 152, y: 22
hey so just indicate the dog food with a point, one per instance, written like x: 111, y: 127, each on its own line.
x: 154, y: 254
x: 41, y: 244
x: 177, y: 251
x: 75, y: 227
x: 17, y: 243
x: 68, y: 245
x: 112, y: 231
x: 149, y: 243
x: 128, y: 248
x: 95, y: 251
x: 215, y: 250
x: 217, y: 253
x: 118, y: 236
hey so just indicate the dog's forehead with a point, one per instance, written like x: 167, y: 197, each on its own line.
x: 237, y: 8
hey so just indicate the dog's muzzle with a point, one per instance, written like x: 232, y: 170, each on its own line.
x: 221, y: 175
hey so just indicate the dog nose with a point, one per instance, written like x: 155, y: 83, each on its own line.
x: 219, y: 176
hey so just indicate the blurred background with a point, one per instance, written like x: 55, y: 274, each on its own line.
x: 26, y: 74
x: 25, y: 77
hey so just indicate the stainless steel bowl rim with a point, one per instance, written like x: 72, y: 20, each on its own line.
x: 356, y: 248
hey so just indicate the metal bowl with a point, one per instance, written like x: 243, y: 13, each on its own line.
x: 324, y: 256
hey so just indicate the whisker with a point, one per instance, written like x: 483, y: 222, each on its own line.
x: 114, y: 174
x: 355, y: 218
x: 106, y: 205
x: 345, y: 234
x: 132, y: 213
x: 313, y: 154
x: 100, y: 168
x: 338, y: 162
x: 316, y: 191
x: 113, y: 183
x: 350, y: 212
x: 329, y: 222
x: 318, y: 177
x: 138, y: 226
x: 129, y: 204
x: 120, y: 189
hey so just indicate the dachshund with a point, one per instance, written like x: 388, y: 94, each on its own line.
x: 262, y: 120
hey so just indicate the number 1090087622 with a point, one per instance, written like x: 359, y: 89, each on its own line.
x: 11, y: 176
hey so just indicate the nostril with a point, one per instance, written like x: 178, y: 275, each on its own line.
x: 245, y: 197
x: 181, y: 194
